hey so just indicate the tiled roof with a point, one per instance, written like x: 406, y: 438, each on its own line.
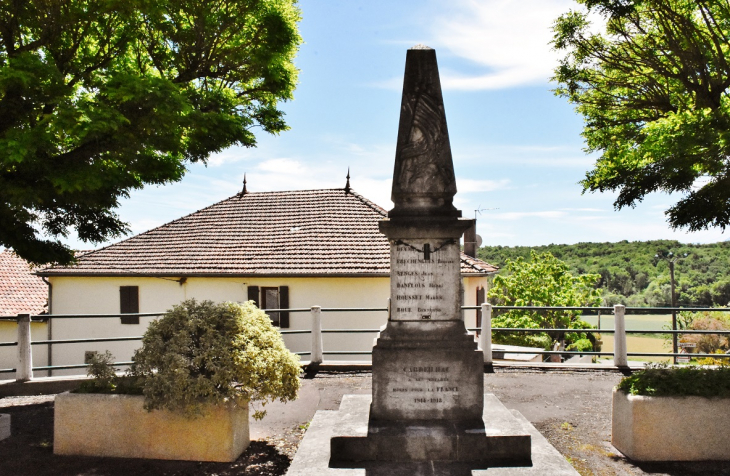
x: 21, y: 292
x: 307, y: 232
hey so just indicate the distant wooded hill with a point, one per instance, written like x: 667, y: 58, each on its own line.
x: 632, y: 275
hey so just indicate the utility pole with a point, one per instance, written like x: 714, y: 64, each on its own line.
x: 671, y: 259
x: 674, y: 311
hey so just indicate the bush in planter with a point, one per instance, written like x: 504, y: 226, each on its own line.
x: 105, y: 379
x: 202, y: 353
x: 661, y: 380
x: 102, y: 372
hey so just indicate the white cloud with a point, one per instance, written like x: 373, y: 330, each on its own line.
x: 512, y: 216
x: 282, y: 166
x: 229, y: 156
x: 583, y: 209
x: 490, y: 233
x: 509, y: 39
x: 465, y: 185
x: 700, y: 182
x: 518, y: 155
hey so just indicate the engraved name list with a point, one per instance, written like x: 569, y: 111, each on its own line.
x: 423, y: 280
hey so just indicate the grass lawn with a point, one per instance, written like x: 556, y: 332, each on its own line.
x: 654, y: 343
x: 653, y: 322
x: 639, y: 344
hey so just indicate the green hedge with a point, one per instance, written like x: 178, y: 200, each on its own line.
x: 660, y: 380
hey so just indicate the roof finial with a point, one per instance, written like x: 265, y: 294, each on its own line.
x: 244, y: 191
x: 347, y: 185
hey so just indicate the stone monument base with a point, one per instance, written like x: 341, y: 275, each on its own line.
x: 333, y: 435
x: 427, y: 370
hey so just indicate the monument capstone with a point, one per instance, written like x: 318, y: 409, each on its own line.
x: 428, y: 413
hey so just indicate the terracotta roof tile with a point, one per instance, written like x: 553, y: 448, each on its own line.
x: 21, y: 292
x: 307, y: 232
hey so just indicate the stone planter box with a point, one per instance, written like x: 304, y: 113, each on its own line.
x: 119, y: 426
x: 670, y: 428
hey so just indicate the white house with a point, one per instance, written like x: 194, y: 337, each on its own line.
x: 291, y: 249
x: 21, y: 292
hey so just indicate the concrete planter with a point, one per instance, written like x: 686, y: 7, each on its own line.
x: 119, y: 426
x: 670, y: 428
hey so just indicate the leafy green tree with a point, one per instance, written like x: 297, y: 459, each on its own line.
x: 544, y: 280
x: 631, y: 275
x: 720, y: 292
x: 653, y: 90
x: 99, y: 97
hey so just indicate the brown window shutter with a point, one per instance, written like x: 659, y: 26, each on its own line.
x: 129, y: 303
x: 253, y: 295
x: 284, y: 304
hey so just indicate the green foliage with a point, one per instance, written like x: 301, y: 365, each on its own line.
x: 714, y: 360
x: 102, y: 371
x: 201, y: 353
x: 660, y: 380
x: 631, y: 275
x: 542, y: 281
x: 98, y: 98
x: 105, y: 379
x: 653, y: 88
x: 709, y: 321
x: 581, y: 345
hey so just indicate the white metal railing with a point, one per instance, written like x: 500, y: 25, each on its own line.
x: 24, y: 370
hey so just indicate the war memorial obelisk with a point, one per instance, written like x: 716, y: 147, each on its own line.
x: 428, y: 375
x: 428, y: 414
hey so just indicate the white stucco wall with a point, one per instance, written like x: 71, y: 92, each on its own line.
x: 9, y: 355
x: 470, y: 299
x: 100, y: 295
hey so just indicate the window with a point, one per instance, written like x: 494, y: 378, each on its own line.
x: 129, y: 303
x: 272, y: 298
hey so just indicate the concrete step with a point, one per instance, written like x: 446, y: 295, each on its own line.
x: 314, y: 454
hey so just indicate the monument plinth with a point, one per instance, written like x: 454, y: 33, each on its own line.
x: 428, y: 414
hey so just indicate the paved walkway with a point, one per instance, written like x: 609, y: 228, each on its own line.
x: 538, y: 395
x: 571, y: 408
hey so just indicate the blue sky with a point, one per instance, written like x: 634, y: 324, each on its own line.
x: 517, y: 148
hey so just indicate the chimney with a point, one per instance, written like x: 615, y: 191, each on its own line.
x: 470, y: 240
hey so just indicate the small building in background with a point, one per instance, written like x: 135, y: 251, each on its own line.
x: 21, y: 292
x: 290, y: 249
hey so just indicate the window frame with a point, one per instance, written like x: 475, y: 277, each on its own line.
x: 256, y: 294
x: 129, y: 304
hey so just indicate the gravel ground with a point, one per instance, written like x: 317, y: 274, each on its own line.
x: 572, y: 410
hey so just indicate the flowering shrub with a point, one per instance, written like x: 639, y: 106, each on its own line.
x: 202, y: 353
x: 706, y: 321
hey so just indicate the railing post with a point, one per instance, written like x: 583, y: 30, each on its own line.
x: 317, y: 356
x: 24, y: 371
x: 485, y: 338
x: 620, y: 358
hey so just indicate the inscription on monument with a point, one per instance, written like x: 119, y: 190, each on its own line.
x: 423, y: 279
x: 429, y: 386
